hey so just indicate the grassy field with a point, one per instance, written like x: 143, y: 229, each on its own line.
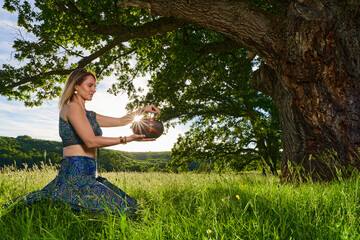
x: 191, y: 206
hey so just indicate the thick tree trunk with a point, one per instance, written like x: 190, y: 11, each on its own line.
x: 316, y: 89
x: 321, y: 69
x: 312, y: 55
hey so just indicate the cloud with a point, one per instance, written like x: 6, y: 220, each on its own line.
x: 40, y: 122
x: 7, y: 25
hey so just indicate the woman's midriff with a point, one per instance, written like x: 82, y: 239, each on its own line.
x: 79, y: 150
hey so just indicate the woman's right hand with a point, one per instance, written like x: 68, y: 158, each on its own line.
x: 150, y: 109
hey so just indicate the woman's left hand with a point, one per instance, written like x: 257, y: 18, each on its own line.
x: 151, y: 109
x: 139, y: 138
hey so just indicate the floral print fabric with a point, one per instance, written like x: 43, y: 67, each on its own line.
x: 77, y: 185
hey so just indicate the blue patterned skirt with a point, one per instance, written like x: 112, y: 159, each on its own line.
x: 77, y: 185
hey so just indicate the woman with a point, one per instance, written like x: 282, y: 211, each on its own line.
x: 77, y: 183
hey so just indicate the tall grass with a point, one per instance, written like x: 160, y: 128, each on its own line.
x: 190, y: 206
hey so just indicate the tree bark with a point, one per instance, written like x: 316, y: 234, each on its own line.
x: 321, y: 67
x: 311, y: 70
x: 240, y: 20
x: 316, y: 89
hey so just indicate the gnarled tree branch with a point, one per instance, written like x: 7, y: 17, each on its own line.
x: 243, y: 21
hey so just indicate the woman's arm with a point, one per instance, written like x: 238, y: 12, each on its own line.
x: 105, y: 121
x: 79, y: 121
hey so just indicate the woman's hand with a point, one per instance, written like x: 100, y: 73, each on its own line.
x: 150, y: 109
x: 139, y: 138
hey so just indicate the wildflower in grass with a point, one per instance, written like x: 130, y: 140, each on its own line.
x: 208, y: 231
x: 237, y: 197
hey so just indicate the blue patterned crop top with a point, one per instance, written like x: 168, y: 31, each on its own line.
x: 68, y: 133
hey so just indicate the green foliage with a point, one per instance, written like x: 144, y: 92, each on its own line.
x: 232, y: 125
x: 111, y: 160
x: 197, y: 75
x: 25, y: 151
x: 62, y: 34
x: 191, y: 206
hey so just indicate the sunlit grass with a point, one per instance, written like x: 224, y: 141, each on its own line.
x: 191, y: 206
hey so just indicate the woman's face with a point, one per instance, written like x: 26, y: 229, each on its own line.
x: 87, y: 88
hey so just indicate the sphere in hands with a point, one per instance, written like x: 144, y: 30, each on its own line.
x: 151, y: 128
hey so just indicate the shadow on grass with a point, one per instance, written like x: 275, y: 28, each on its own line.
x: 47, y: 220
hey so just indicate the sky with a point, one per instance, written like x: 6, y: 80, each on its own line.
x: 42, y: 122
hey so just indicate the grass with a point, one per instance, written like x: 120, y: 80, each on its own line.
x: 191, y: 206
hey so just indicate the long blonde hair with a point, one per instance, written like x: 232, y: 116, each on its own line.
x: 76, y: 77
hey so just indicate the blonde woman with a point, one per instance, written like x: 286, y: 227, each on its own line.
x: 77, y: 183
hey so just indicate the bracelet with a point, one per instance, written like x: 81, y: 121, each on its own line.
x: 123, y: 140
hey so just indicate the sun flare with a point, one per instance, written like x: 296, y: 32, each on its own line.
x: 137, y: 118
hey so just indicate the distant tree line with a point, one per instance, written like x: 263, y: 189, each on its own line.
x: 112, y: 160
x: 24, y: 151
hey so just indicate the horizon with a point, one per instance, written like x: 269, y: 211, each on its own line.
x: 103, y: 148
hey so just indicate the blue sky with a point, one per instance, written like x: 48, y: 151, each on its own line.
x: 42, y: 122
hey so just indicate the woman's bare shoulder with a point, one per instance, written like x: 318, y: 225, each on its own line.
x: 70, y: 108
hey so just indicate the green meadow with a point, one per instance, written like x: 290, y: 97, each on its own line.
x: 190, y: 206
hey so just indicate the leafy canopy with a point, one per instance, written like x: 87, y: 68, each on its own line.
x: 232, y: 123
x: 62, y: 35
x: 196, y: 74
x: 66, y: 35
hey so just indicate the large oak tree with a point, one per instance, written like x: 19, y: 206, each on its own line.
x: 311, y: 54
